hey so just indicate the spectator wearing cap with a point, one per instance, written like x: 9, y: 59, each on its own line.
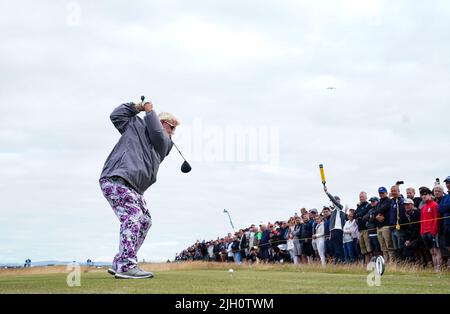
x: 411, y: 194
x: 413, y: 241
x: 397, y: 221
x: 444, y: 211
x: 371, y: 225
x: 438, y: 192
x: 382, y: 220
x: 361, y: 220
x: 429, y: 226
x: 337, y: 221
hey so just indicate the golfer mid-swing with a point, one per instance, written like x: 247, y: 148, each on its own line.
x: 129, y: 171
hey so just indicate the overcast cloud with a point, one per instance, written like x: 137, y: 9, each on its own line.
x: 65, y: 65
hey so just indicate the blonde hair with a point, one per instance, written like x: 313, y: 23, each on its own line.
x: 165, y: 116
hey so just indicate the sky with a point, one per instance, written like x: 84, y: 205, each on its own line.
x: 249, y: 82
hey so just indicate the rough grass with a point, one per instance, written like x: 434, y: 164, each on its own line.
x: 198, y: 277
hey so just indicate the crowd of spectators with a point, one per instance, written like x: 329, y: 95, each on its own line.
x: 411, y: 229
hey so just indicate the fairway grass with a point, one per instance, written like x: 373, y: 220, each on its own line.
x: 200, y: 278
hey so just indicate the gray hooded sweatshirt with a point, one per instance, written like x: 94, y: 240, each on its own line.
x: 142, y: 147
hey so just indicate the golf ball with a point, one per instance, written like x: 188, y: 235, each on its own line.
x: 230, y: 270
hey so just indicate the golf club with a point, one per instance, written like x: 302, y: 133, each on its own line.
x: 185, y: 167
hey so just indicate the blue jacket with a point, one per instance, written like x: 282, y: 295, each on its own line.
x: 444, y: 210
x: 142, y: 147
x: 401, y: 212
x: 265, y: 238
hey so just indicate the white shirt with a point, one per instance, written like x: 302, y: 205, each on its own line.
x: 350, y: 228
x: 337, y: 222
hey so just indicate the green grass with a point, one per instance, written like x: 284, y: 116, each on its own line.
x: 247, y: 280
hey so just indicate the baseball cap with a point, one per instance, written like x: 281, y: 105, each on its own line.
x: 313, y: 210
x: 373, y: 199
x: 408, y: 201
x: 382, y: 190
x: 447, y: 179
x: 424, y: 190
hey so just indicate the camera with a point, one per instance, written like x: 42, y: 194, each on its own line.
x: 399, y: 182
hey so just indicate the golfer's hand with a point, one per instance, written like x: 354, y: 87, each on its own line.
x: 148, y: 106
x: 139, y: 107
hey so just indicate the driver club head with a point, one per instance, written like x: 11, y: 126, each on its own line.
x: 186, y: 167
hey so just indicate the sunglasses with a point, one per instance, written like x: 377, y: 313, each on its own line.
x: 172, y: 127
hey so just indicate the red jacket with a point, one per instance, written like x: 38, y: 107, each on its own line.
x: 428, y: 218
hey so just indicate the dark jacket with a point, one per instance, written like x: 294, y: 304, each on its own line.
x: 307, y: 231
x: 264, y: 238
x: 243, y: 244
x: 401, y: 213
x: 371, y: 223
x: 326, y: 226
x: 142, y: 147
x: 384, y: 208
x: 444, y: 210
x: 413, y: 230
x: 417, y: 200
x: 334, y: 212
x: 360, y: 212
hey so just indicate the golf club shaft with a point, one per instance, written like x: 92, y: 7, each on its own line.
x: 178, y: 150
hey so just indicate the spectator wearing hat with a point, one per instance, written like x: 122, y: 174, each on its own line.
x: 361, y: 220
x: 444, y: 211
x: 337, y: 221
x: 411, y: 194
x: 397, y: 221
x: 429, y: 226
x: 371, y: 225
x: 382, y: 220
x: 413, y: 240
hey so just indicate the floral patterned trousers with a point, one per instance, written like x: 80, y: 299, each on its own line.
x: 135, y: 220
